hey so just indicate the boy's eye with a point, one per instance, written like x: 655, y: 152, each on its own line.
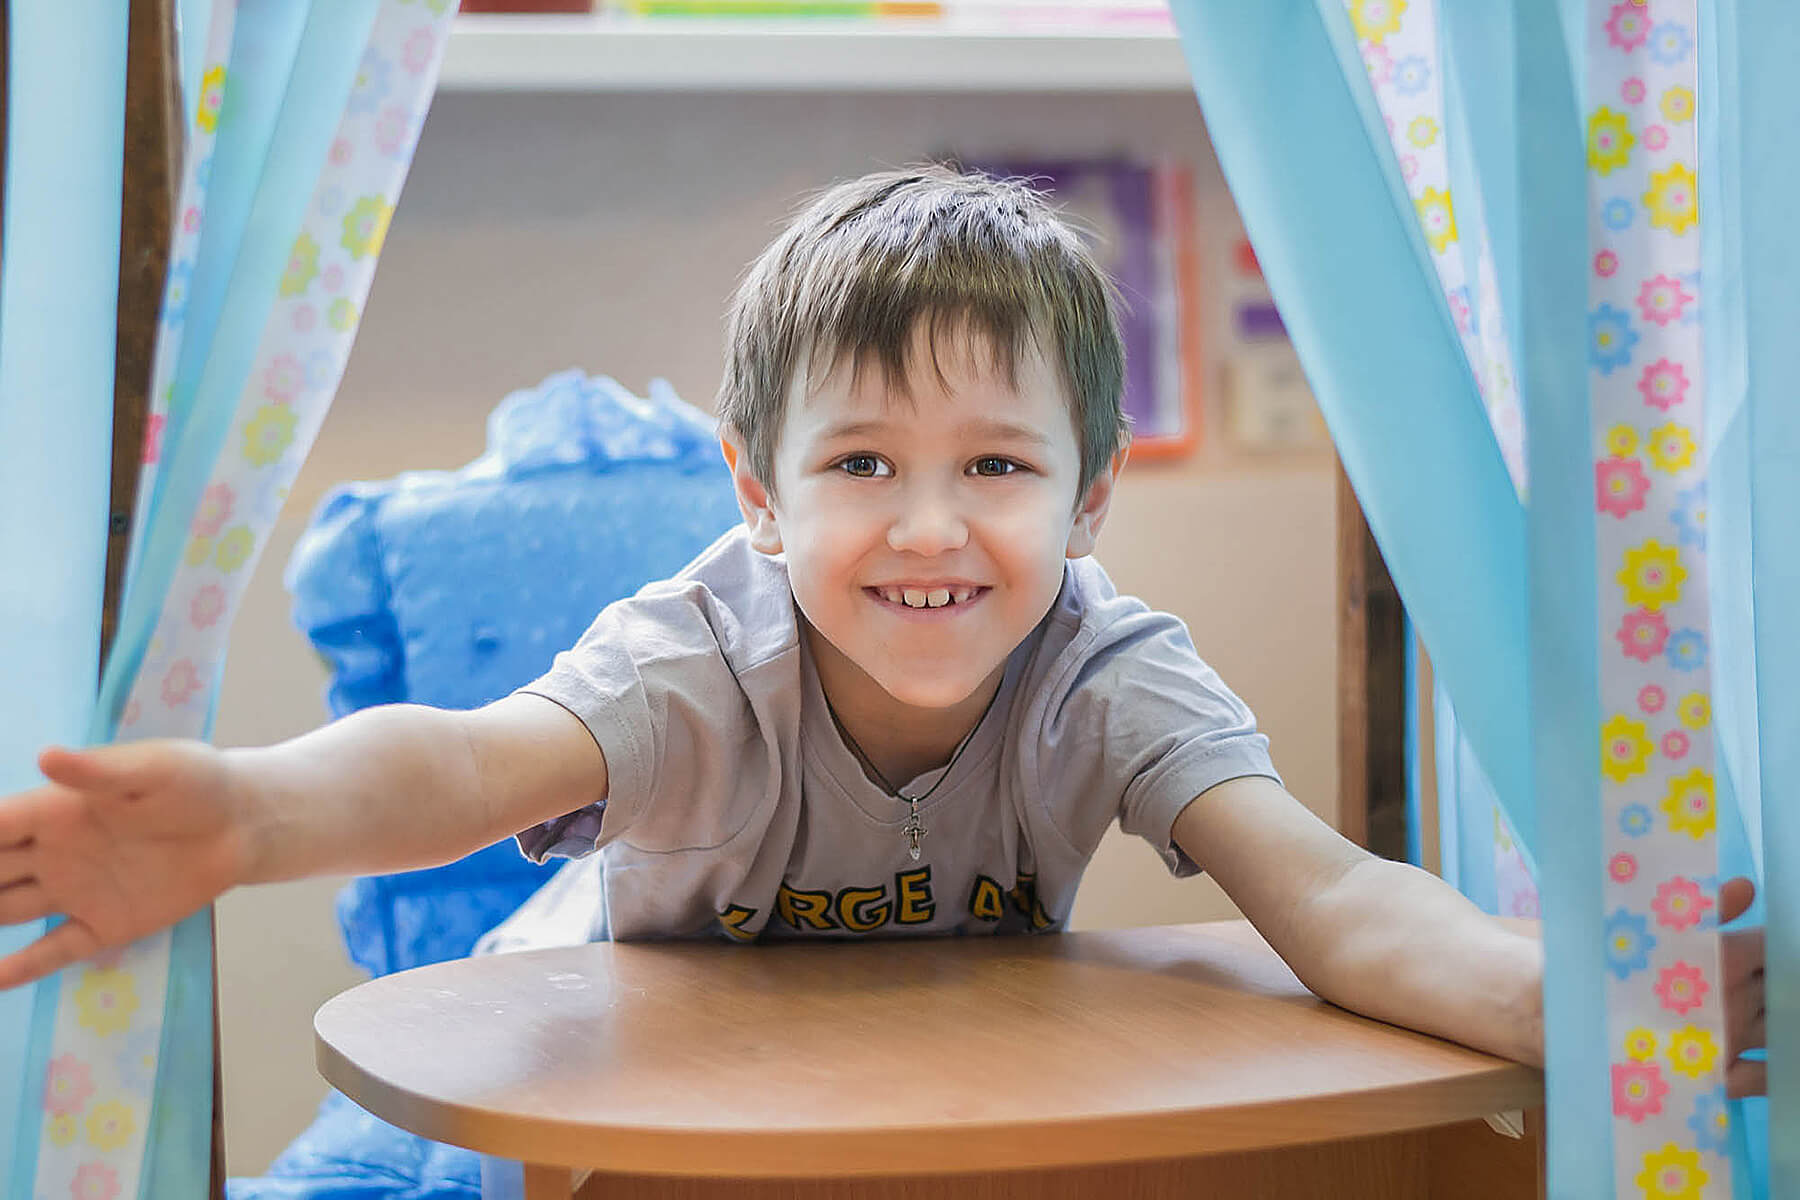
x: 862, y: 466
x: 995, y: 466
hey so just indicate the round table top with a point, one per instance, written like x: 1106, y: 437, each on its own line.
x: 844, y: 1058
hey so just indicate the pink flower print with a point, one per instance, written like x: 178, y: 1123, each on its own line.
x: 1680, y: 904
x: 207, y: 606
x: 1632, y: 91
x: 392, y: 128
x: 216, y: 503
x: 1643, y: 634
x: 1662, y: 299
x: 1663, y: 384
x: 180, y: 683
x: 1637, y: 1090
x: 67, y: 1085
x: 1376, y: 61
x: 1628, y: 28
x: 1652, y: 698
x: 284, y: 378
x: 1622, y: 868
x: 1620, y: 485
x: 1409, y: 166
x: 1675, y: 744
x: 416, y: 54
x: 341, y: 151
x: 1681, y: 988
x: 1656, y: 137
x: 190, y: 220
x: 333, y: 279
x: 153, y: 435
x: 94, y: 1181
x: 1606, y: 264
x: 305, y: 318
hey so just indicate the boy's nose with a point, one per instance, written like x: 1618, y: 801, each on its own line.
x: 928, y: 522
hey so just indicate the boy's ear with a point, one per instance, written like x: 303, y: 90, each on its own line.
x: 752, y: 497
x: 1091, y: 515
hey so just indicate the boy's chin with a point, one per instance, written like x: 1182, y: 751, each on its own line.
x: 940, y: 693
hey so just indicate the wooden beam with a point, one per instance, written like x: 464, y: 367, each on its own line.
x: 1371, y: 688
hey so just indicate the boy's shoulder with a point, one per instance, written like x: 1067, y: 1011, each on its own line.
x: 730, y: 596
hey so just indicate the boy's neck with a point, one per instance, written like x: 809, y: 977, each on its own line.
x: 900, y: 740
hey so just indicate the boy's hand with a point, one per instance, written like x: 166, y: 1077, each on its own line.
x: 123, y: 841
x: 1741, y: 963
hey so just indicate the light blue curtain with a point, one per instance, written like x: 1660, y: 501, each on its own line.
x: 1499, y: 574
x: 301, y: 120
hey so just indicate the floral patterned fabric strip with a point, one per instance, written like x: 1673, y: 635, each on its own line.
x: 1646, y: 386
x: 1399, y: 44
x: 100, y: 1086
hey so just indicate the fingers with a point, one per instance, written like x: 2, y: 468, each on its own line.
x: 1746, y: 1077
x: 67, y: 943
x: 1735, y: 898
x: 15, y: 866
x: 24, y: 902
x: 118, y: 768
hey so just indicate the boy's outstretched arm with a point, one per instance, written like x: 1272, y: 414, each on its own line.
x: 1393, y: 942
x: 1381, y: 938
x: 124, y: 840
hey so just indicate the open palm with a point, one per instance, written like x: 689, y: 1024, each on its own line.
x: 122, y: 841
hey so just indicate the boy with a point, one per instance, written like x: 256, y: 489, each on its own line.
x: 899, y: 698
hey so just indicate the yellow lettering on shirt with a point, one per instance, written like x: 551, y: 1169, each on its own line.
x: 863, y: 910
x: 734, y: 918
x: 987, y: 901
x: 797, y: 907
x: 913, y: 888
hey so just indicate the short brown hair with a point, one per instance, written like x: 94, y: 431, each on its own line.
x: 867, y: 260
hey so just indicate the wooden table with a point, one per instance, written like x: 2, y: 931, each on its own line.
x: 1167, y: 1061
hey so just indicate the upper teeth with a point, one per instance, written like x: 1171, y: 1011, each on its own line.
x: 920, y: 598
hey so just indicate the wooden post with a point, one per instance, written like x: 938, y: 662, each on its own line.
x: 152, y: 170
x: 1371, y: 688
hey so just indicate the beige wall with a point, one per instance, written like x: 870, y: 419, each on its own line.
x: 605, y: 232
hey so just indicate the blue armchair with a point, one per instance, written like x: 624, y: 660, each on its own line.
x: 452, y: 588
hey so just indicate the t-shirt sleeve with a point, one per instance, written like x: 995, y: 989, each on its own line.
x: 651, y: 681
x: 1143, y: 718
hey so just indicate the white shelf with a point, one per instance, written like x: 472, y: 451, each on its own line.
x: 595, y: 53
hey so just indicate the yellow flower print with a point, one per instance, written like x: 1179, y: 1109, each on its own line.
x: 1672, y: 1174
x: 105, y: 1001
x: 212, y: 98
x: 111, y: 1125
x: 1623, y: 748
x: 1652, y: 575
x: 1690, y: 805
x: 198, y: 551
x: 1437, y: 217
x: 269, y: 433
x: 1622, y: 441
x: 1640, y: 1045
x: 366, y: 226
x: 1609, y: 140
x: 62, y: 1130
x: 1692, y: 1051
x: 303, y: 266
x: 1695, y: 710
x: 1678, y: 105
x: 1375, y: 19
x: 1422, y: 132
x: 235, y: 548
x: 1671, y: 199
x: 1672, y: 447
x: 341, y: 316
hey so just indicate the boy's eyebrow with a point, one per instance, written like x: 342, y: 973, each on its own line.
x: 987, y: 427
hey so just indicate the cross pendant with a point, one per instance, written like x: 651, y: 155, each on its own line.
x: 914, y: 829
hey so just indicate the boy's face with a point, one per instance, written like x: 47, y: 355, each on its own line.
x: 965, y: 494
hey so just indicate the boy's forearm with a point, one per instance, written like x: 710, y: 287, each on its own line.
x: 1409, y: 949
x: 384, y: 789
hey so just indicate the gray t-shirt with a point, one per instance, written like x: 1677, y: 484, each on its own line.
x: 734, y: 806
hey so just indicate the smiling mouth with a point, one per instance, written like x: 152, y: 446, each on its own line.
x: 928, y: 599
